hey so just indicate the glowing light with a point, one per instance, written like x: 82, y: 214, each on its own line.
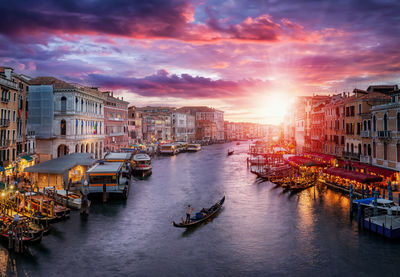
x: 11, y: 187
x: 3, y: 194
x: 273, y: 107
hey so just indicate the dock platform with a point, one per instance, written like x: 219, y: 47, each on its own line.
x: 386, y: 225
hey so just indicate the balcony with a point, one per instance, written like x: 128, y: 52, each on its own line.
x: 4, y: 100
x: 365, y: 134
x: 350, y: 155
x: 8, y: 83
x: 4, y: 143
x: 365, y: 159
x: 4, y: 122
x: 383, y: 134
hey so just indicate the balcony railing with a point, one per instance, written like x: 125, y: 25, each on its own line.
x: 4, y: 143
x: 4, y: 122
x: 365, y: 134
x: 365, y: 159
x: 383, y: 134
x: 4, y: 100
x: 8, y: 83
x: 351, y: 155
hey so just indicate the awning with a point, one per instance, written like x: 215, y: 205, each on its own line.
x: 353, y: 175
x: 27, y: 158
x: 303, y: 161
x: 374, y: 169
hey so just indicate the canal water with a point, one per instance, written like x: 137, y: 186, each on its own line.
x: 261, y: 231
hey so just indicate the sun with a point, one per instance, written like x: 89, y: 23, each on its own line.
x: 273, y: 107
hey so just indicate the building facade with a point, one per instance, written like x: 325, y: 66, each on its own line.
x: 66, y: 118
x: 116, y: 122
x: 135, y: 132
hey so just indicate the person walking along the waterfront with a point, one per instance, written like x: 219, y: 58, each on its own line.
x: 188, y: 212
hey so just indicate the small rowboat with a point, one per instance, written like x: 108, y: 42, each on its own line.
x: 230, y: 152
x: 213, y: 210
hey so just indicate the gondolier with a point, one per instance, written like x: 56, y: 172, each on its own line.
x: 188, y: 212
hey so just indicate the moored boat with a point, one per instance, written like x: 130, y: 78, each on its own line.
x: 193, y: 147
x: 141, y: 165
x: 168, y: 149
x: 201, y: 216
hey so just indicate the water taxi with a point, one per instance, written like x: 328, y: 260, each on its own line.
x: 181, y: 146
x: 193, y: 147
x: 168, y: 149
x: 107, y: 177
x: 125, y: 158
x: 141, y: 165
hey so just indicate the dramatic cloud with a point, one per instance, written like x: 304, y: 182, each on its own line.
x: 228, y: 54
x: 183, y: 86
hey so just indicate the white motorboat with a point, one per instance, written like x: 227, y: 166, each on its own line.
x: 382, y: 204
x: 141, y: 165
x: 194, y: 147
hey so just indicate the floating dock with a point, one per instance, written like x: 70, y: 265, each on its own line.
x: 386, y: 225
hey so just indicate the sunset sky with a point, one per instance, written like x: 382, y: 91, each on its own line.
x: 247, y: 58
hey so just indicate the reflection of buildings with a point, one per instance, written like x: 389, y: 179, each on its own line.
x: 66, y: 118
x: 115, y: 122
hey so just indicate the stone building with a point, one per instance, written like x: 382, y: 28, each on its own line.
x: 135, y: 132
x: 115, y: 122
x: 66, y: 118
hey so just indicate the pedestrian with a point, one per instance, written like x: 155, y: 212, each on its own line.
x: 188, y: 212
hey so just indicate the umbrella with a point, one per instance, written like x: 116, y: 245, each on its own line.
x: 390, y: 193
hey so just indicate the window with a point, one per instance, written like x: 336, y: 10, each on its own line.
x: 358, y: 128
x: 369, y: 149
x: 63, y: 104
x: 359, y: 108
x: 15, y: 97
x: 63, y: 127
x: 14, y: 116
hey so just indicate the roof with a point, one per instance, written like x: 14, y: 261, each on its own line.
x: 51, y: 81
x: 117, y: 156
x: 141, y: 157
x: 353, y: 175
x: 109, y: 167
x: 62, y: 164
x: 303, y: 161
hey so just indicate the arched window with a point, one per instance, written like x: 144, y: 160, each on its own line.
x: 347, y: 147
x: 359, y: 149
x: 374, y: 122
x: 369, y: 149
x: 77, y: 148
x: 365, y: 150
x: 63, y: 104
x: 63, y: 127
x: 385, y: 123
x: 352, y: 148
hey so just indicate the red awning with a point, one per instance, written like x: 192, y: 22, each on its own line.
x: 353, y: 175
x: 321, y: 157
x: 300, y: 160
x: 374, y: 169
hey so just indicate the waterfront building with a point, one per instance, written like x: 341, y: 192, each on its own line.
x: 156, y: 127
x: 206, y: 130
x: 115, y: 122
x: 357, y: 119
x: 135, y: 132
x: 190, y: 127
x: 317, y: 125
x: 12, y: 117
x: 61, y: 172
x: 300, y: 123
x: 179, y: 124
x: 386, y: 133
x: 66, y: 118
x: 334, y: 126
x: 203, y: 113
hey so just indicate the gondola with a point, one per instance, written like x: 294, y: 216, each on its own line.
x: 201, y: 217
x: 230, y: 152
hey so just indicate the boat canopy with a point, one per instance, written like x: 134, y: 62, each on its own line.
x: 353, y: 175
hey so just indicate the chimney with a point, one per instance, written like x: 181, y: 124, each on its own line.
x: 7, y: 72
x: 112, y: 94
